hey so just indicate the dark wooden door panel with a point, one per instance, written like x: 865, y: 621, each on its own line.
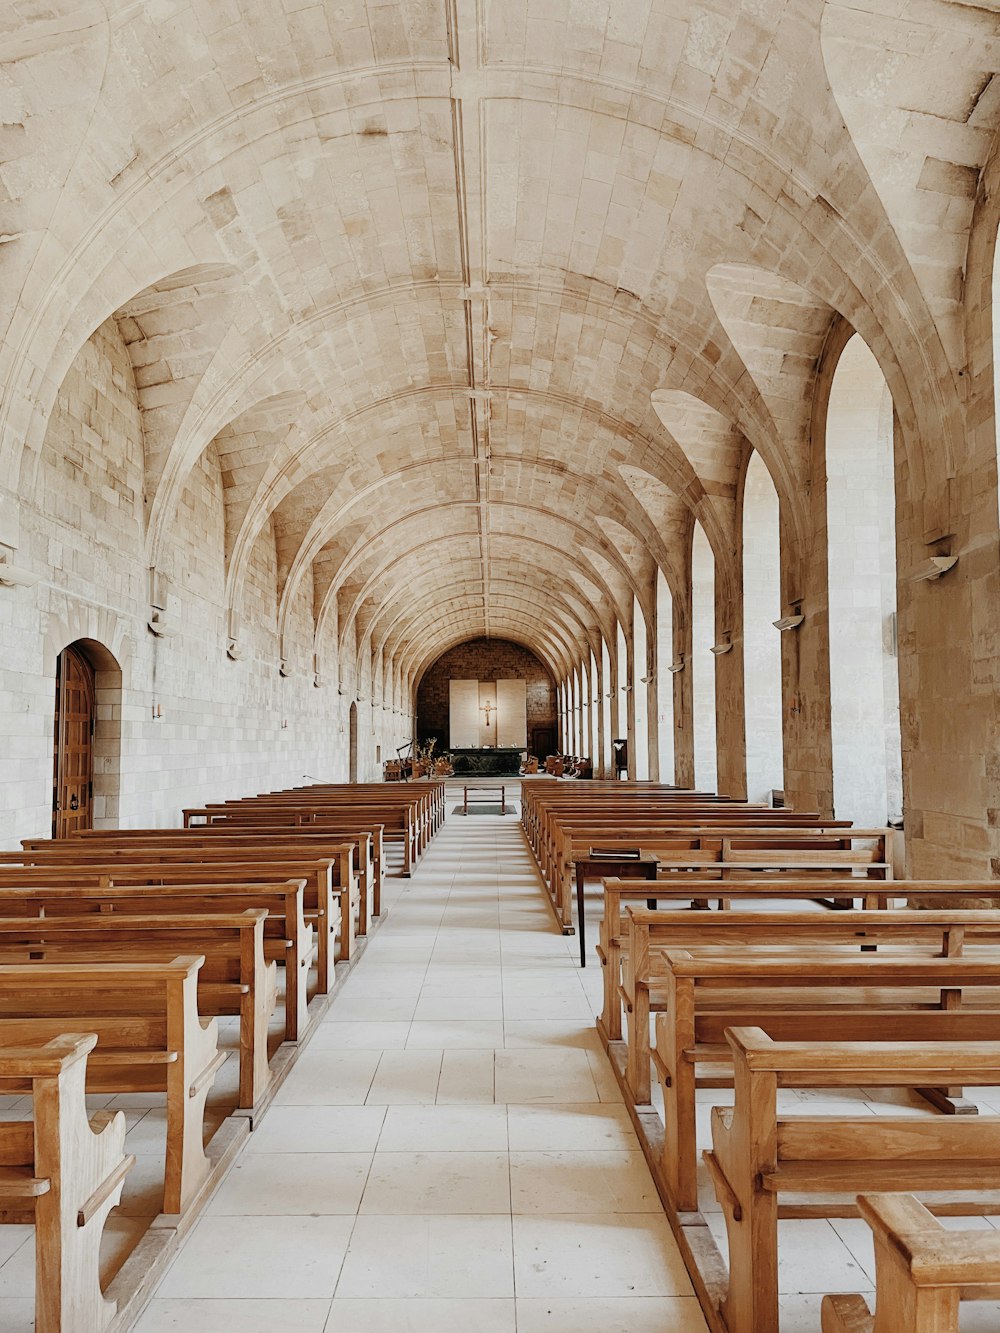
x: 73, y: 793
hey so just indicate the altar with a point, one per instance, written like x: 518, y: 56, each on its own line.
x: 493, y: 763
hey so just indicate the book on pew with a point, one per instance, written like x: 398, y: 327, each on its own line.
x: 616, y: 853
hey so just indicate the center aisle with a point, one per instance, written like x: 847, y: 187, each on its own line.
x: 451, y: 1151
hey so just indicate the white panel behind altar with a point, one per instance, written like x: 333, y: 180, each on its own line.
x: 512, y: 714
x: 463, y: 708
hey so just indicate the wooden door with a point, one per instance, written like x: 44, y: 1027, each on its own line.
x: 73, y: 786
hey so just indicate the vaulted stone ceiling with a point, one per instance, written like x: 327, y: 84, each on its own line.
x: 477, y: 302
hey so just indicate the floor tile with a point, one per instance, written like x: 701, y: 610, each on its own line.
x: 293, y: 1184
x: 467, y: 1078
x: 406, y: 1077
x: 318, y: 1129
x: 582, y: 1182
x: 652, y: 1314
x: 233, y: 1316
x: 444, y: 1129
x: 427, y: 1315
x: 571, y: 1128
x: 455, y: 1182
x: 329, y: 1078
x: 461, y: 1035
x: 597, y: 1255
x: 429, y: 1256
x: 260, y: 1258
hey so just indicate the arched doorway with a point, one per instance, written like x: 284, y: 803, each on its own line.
x: 73, y: 743
x: 353, y: 770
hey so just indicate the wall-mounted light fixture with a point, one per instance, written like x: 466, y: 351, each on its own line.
x: 674, y: 667
x: 724, y: 646
x: 792, y: 621
x: 13, y: 576
x: 161, y: 625
x: 924, y: 573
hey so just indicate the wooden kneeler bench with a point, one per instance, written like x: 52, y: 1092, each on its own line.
x: 758, y: 1153
x: 63, y: 1173
x: 923, y: 1271
x: 149, y: 1038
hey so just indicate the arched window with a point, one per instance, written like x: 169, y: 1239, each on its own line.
x: 640, y: 676
x: 703, y: 663
x: 606, y: 707
x: 664, y: 677
x: 761, y: 641
x: 623, y: 694
x: 861, y: 509
x: 595, y: 716
x: 996, y: 339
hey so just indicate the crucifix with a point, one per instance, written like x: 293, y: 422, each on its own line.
x: 487, y: 709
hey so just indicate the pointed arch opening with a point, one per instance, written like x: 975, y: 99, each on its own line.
x: 761, y: 642
x: 703, y: 661
x: 861, y: 528
x: 664, y: 677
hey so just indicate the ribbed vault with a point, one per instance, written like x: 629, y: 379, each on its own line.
x: 480, y: 306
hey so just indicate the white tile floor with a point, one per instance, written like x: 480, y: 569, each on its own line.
x: 451, y: 1151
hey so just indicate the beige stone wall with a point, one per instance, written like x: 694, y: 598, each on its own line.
x: 222, y: 728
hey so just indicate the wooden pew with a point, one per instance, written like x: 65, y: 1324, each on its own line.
x: 149, y: 1037
x: 148, y: 865
x: 758, y: 1153
x: 410, y: 815
x: 288, y: 939
x: 871, y: 895
x: 923, y: 1271
x: 754, y: 976
x: 63, y: 1173
x: 260, y: 825
x: 329, y: 876
x: 234, y: 979
x: 690, y: 1049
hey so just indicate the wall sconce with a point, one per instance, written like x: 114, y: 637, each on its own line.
x: 924, y: 573
x: 161, y: 626
x: 157, y: 711
x: 792, y: 621
x: 12, y: 576
x: 674, y: 667
x: 725, y: 646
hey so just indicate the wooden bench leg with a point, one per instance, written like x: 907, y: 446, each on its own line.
x: 680, y: 1125
x: 256, y: 1008
x: 325, y: 940
x: 346, y: 925
x: 87, y: 1165
x: 637, y: 1064
x: 189, y: 1081
x: 363, y: 899
x: 612, y: 1015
